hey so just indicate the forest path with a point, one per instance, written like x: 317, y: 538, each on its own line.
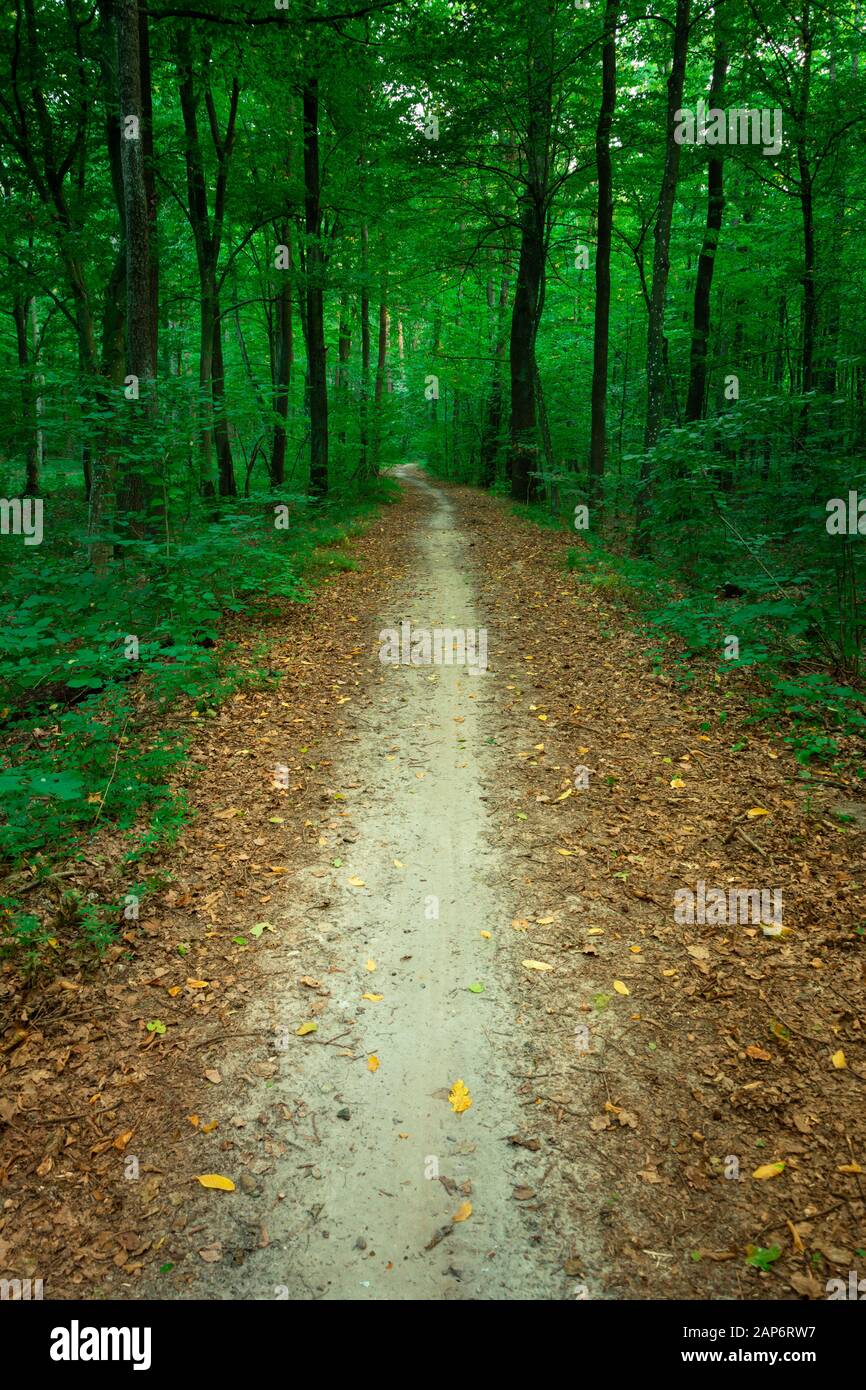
x: 356, y: 1225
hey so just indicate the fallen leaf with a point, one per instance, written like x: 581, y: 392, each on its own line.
x: 463, y: 1212
x: 620, y: 987
x: 356, y: 882
x: 374, y: 998
x: 757, y: 811
x: 838, y: 1060
x: 768, y: 1170
x: 459, y: 1098
x: 216, y: 1181
x: 306, y: 1028
x: 213, y: 1075
x: 536, y: 965
x: 372, y: 1063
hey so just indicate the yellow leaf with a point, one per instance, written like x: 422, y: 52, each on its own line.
x: 397, y: 864
x: 620, y: 987
x: 193, y: 1119
x: 566, y: 852
x: 217, y: 1181
x: 370, y: 965
x: 849, y: 1168
x: 565, y: 794
x: 595, y: 931
x: 373, y: 997
x: 463, y: 1212
x: 210, y: 1127
x: 356, y: 882
x: 198, y: 984
x: 175, y: 990
x: 768, y: 1170
x: 677, y: 782
x: 487, y: 935
x: 373, y: 1063
x: 757, y: 811
x: 459, y: 1099
x: 536, y: 965
x: 799, y: 1247
x: 838, y: 1060
x: 306, y: 1028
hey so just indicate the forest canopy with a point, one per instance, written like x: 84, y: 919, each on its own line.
x: 600, y: 258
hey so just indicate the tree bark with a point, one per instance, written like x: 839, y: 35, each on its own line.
x: 655, y: 368
x: 315, y: 316
x: 528, y: 293
x: 364, y: 461
x: 283, y: 357
x: 22, y: 308
x: 696, y: 398
x: 601, y: 327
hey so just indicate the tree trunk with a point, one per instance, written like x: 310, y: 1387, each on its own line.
x: 137, y: 280
x: 655, y: 366
x: 315, y: 316
x: 22, y: 307
x: 381, y: 359
x: 344, y: 349
x: 601, y: 327
x: 364, y: 462
x: 530, y: 271
x: 283, y: 356
x: 696, y: 398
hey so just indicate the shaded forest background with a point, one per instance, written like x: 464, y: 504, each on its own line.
x: 253, y: 256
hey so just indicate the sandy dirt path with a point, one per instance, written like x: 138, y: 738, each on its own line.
x: 394, y: 1162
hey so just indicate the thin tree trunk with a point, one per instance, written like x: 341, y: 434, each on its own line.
x: 344, y: 349
x: 655, y: 366
x: 137, y: 280
x: 314, y: 268
x: 530, y: 271
x: 364, y: 462
x: 696, y: 398
x: 282, y: 356
x: 22, y: 306
x: 601, y: 327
